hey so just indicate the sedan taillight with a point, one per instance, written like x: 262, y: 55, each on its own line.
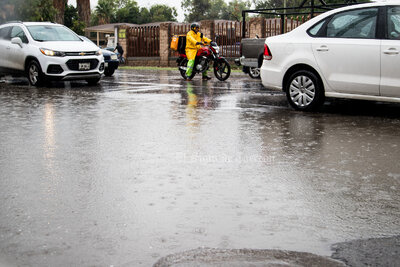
x: 267, y: 53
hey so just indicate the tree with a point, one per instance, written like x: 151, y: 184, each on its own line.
x: 36, y: 10
x: 163, y: 13
x: 128, y: 11
x: 83, y: 10
x: 59, y: 5
x: 290, y: 3
x: 70, y: 14
x: 71, y: 20
x: 214, y: 9
x: 144, y: 16
x: 105, y: 11
x: 235, y: 8
x: 217, y: 10
x: 7, y: 10
x: 196, y: 10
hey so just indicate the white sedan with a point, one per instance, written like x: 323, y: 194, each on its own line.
x: 350, y: 52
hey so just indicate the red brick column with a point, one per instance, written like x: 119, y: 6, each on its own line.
x: 165, y: 34
x: 122, y: 40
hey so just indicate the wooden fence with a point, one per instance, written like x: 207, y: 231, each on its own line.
x: 273, y: 26
x: 143, y: 41
x: 229, y: 37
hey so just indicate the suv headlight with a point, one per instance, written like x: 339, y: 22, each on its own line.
x: 98, y: 53
x: 51, y: 53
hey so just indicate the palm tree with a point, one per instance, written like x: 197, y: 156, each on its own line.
x: 60, y: 6
x: 83, y: 10
x: 105, y: 11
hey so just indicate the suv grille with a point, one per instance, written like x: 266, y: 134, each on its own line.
x: 75, y: 54
x: 73, y: 64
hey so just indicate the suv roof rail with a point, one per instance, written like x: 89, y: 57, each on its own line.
x: 14, y: 21
x: 20, y: 21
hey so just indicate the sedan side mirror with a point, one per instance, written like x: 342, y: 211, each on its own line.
x: 17, y: 41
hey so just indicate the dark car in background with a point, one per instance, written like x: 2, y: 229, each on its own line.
x: 111, y: 61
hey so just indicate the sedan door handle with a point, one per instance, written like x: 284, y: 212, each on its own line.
x: 322, y: 48
x: 391, y: 51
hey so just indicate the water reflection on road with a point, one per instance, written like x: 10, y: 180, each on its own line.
x: 145, y: 165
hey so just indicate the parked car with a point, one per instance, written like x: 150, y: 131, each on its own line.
x: 251, y: 56
x: 120, y: 58
x: 350, y: 52
x: 47, y: 51
x: 111, y: 61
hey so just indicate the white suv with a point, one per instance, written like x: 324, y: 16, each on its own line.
x: 47, y: 51
x: 351, y: 52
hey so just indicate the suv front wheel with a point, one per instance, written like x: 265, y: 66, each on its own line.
x: 304, y: 90
x: 34, y: 73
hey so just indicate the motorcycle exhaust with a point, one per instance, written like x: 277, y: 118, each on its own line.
x: 182, y: 68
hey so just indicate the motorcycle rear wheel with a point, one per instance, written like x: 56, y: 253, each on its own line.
x: 183, y: 64
x: 222, y: 69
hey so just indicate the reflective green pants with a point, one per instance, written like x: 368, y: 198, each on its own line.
x: 190, y: 66
x: 189, y: 69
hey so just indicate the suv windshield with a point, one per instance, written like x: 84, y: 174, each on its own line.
x: 45, y: 33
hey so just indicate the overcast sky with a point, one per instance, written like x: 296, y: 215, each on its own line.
x: 147, y: 4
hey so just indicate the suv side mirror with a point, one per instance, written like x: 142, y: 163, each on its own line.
x: 17, y: 41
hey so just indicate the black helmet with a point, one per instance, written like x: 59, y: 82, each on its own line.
x: 194, y: 25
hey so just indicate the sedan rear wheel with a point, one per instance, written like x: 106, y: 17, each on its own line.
x: 304, y: 90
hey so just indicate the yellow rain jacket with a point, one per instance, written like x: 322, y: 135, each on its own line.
x: 191, y: 48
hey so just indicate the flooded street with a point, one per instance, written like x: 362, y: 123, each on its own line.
x: 145, y: 165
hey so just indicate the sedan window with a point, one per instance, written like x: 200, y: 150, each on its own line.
x: 360, y: 23
x: 314, y: 30
x: 394, y: 23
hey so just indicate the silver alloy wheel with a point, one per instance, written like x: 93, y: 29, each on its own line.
x: 254, y: 72
x: 302, y: 91
x: 33, y: 73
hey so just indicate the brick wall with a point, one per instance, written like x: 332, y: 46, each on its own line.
x: 257, y: 27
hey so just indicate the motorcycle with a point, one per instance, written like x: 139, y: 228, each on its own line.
x: 202, y: 62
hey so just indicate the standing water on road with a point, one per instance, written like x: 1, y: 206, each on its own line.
x: 145, y: 165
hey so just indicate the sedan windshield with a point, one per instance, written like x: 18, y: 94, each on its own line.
x: 46, y: 33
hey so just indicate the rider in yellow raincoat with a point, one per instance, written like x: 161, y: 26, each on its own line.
x: 194, y: 40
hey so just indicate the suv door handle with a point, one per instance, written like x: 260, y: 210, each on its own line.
x: 322, y: 48
x: 8, y: 48
x: 391, y: 51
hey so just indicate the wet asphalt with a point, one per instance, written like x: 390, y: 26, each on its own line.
x: 146, y: 165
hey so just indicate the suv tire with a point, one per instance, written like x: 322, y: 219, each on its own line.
x: 109, y: 72
x: 34, y: 73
